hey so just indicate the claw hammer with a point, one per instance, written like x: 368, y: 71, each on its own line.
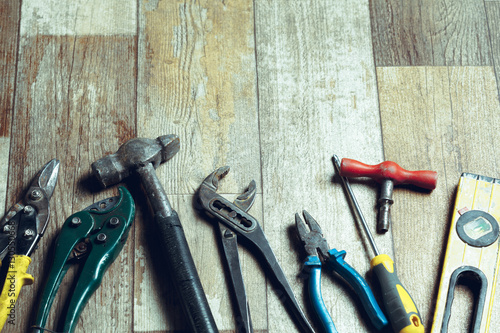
x: 141, y: 157
x: 387, y: 173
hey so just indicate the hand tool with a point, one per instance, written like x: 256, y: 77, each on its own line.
x: 23, y: 226
x: 229, y: 243
x: 399, y: 306
x: 234, y: 216
x: 388, y: 174
x: 141, y: 157
x: 92, y: 238
x: 472, y: 252
x: 318, y: 251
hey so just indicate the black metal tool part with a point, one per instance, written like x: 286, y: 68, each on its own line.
x: 234, y: 216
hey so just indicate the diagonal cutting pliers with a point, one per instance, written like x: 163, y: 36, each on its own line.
x: 21, y: 229
x: 236, y: 221
x: 318, y: 251
x: 92, y: 238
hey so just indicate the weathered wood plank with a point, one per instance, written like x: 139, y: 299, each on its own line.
x: 432, y: 33
x: 75, y: 102
x: 79, y: 17
x: 443, y: 119
x: 317, y: 97
x: 493, y: 16
x: 197, y: 80
x: 9, y: 27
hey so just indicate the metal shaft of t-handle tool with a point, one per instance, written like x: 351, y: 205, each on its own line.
x: 355, y: 204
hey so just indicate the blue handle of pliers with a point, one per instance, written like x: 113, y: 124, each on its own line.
x: 360, y: 286
x: 313, y: 266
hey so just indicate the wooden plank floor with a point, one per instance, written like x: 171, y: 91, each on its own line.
x: 272, y: 89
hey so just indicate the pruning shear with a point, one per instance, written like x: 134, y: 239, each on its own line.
x: 318, y: 250
x: 93, y: 237
x: 235, y: 221
x: 22, y: 228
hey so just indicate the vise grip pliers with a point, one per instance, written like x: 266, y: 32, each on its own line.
x: 93, y: 237
x: 318, y: 250
x: 21, y: 229
x: 234, y: 220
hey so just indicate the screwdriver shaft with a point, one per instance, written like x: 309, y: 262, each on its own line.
x: 354, y: 203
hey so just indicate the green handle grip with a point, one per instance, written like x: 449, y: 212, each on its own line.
x: 399, y: 306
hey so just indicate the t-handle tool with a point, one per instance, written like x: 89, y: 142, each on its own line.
x: 388, y: 174
x: 93, y: 237
x: 23, y: 227
x: 399, y: 306
x: 246, y: 226
x: 317, y: 250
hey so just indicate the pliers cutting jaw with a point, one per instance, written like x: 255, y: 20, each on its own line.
x: 21, y: 229
x: 234, y: 216
x: 311, y: 235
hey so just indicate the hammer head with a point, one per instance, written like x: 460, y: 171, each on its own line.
x: 134, y: 154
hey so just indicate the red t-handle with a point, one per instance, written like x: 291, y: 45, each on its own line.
x: 389, y: 171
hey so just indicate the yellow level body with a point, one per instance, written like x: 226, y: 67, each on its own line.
x: 472, y: 251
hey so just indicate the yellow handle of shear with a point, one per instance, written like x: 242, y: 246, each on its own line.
x: 16, y: 278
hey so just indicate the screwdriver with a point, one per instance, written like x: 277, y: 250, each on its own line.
x: 400, y: 307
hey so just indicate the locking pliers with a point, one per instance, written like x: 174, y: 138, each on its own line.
x: 93, y: 237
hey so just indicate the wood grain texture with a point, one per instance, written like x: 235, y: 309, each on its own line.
x: 317, y: 97
x: 493, y: 16
x: 197, y: 80
x: 79, y: 17
x: 272, y: 89
x: 9, y: 27
x: 430, y: 33
x: 441, y: 119
x: 67, y: 109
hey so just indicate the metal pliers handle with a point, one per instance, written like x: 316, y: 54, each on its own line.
x: 94, y: 236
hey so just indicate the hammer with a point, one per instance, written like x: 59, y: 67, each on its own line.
x: 141, y: 157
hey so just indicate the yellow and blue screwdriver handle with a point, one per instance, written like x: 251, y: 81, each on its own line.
x: 23, y: 226
x: 399, y: 306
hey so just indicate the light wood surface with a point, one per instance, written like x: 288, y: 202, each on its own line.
x: 273, y: 89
